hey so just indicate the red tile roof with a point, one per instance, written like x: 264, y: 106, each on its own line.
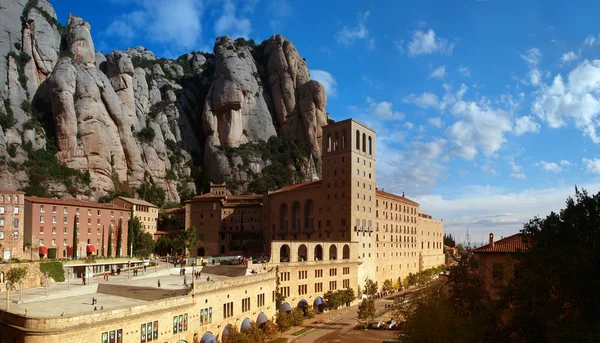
x: 245, y: 197
x: 72, y: 202
x: 206, y: 196
x: 137, y: 202
x: 509, y: 244
x: 297, y: 186
x: 395, y: 197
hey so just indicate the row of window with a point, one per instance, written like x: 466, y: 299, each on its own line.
x: 65, y: 231
x: 89, y: 211
x: 15, y: 210
x: 9, y: 199
x: 65, y: 243
x: 398, y: 254
x: 15, y: 222
x: 392, y: 267
x: 303, y: 274
x: 15, y: 234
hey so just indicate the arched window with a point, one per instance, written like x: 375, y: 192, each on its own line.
x: 336, y: 140
x: 346, y: 252
x: 364, y: 143
x: 302, y: 253
x: 333, y: 252
x: 343, y: 139
x: 318, y: 253
x: 370, y: 146
x: 329, y: 142
x: 284, y: 253
x: 357, y: 140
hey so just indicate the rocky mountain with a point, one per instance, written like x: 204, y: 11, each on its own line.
x: 76, y: 122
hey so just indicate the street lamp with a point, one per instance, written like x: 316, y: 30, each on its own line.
x: 46, y: 284
x: 128, y: 269
x: 20, y: 290
x: 7, y: 295
x: 68, y: 278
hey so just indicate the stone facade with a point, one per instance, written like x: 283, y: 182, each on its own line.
x: 12, y: 223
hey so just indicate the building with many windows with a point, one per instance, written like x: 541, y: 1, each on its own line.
x: 393, y: 236
x: 49, y: 226
x: 146, y: 212
x: 11, y: 223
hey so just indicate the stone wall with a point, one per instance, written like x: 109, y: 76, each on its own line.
x: 34, y: 278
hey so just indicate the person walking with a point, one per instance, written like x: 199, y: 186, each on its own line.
x: 158, y: 283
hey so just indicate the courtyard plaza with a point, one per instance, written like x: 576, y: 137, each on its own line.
x: 123, y: 290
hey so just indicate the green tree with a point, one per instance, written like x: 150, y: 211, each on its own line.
x: 553, y: 296
x: 134, y: 228
x: 185, y: 240
x: 309, y: 311
x: 366, y: 309
x: 120, y: 238
x: 164, y: 244
x: 387, y: 286
x: 16, y: 274
x: 297, y: 316
x: 145, y: 245
x: 371, y: 288
x: 283, y: 320
x: 279, y: 297
x: 110, y: 241
x: 348, y: 296
x: 75, y: 240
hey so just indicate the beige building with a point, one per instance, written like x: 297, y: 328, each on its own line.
x: 496, y: 261
x: 146, y: 212
x: 209, y: 310
x: 431, y: 236
x: 11, y: 224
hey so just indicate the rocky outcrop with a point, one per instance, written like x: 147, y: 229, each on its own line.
x: 299, y: 102
x: 131, y: 118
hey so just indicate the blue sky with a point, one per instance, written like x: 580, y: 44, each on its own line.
x: 486, y: 111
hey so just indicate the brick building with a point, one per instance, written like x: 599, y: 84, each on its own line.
x: 49, y: 224
x: 11, y: 223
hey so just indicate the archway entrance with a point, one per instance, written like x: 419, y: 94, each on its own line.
x: 201, y: 252
x: 318, y: 305
x: 208, y: 338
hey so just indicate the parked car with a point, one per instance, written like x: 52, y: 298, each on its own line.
x: 390, y: 324
x: 378, y: 325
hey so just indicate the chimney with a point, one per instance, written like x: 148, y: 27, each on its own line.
x: 491, y: 240
x: 403, y: 194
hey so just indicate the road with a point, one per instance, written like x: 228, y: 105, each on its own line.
x: 340, y: 329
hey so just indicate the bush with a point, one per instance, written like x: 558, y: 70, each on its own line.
x: 7, y: 120
x: 54, y: 269
x: 12, y: 150
x: 146, y: 135
x: 16, y: 274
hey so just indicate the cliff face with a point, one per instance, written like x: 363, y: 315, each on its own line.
x: 126, y: 121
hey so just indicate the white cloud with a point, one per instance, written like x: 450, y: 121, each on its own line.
x: 326, y: 79
x: 383, y: 110
x: 481, y: 128
x: 577, y: 99
x: 424, y: 43
x: 176, y: 24
x: 565, y: 163
x: 485, y: 209
x: 464, y: 71
x: 425, y: 100
x: 590, y: 40
x: 437, y: 122
x: 348, y: 36
x: 535, y: 76
x: 438, y: 72
x: 415, y: 171
x: 280, y: 11
x: 526, y: 124
x: 532, y: 57
x: 518, y: 176
x: 409, y: 125
x: 568, y: 57
x: 592, y: 165
x: 549, y: 166
x: 229, y: 23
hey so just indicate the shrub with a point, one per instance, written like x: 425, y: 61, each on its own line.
x: 12, y: 150
x: 54, y: 269
x: 146, y: 135
x: 16, y: 274
x: 7, y: 120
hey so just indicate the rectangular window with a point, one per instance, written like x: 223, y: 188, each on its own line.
x: 201, y: 237
x: 65, y: 242
x: 2, y: 222
x: 64, y: 220
x: 89, y: 212
x: 54, y: 242
x: 346, y: 283
x: 16, y: 224
x: 332, y: 285
x: 332, y: 271
x: 318, y: 287
x: 42, y: 208
x: 53, y: 219
x: 246, y: 304
x: 64, y: 230
x: 260, y: 300
x: 42, y: 219
x: 41, y: 242
x: 228, y: 310
x: 53, y: 209
x: 54, y: 231
x: 65, y: 210
x: 16, y: 234
x: 16, y: 210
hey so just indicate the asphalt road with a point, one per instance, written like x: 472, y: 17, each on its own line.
x: 341, y: 330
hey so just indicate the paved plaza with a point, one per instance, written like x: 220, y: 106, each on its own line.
x: 68, y: 298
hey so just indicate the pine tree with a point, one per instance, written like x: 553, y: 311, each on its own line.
x: 120, y: 237
x: 75, y: 238
x: 110, y: 238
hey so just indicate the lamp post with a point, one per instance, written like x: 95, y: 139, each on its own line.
x: 46, y: 284
x: 68, y: 278
x: 128, y: 269
x: 20, y: 290
x: 7, y: 295
x: 155, y: 264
